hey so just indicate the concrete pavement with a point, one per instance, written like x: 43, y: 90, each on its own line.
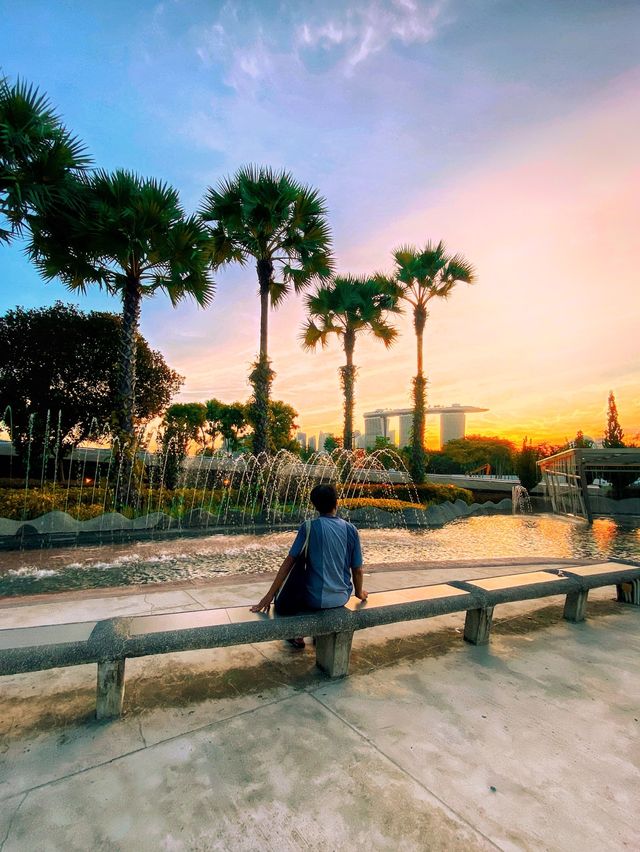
x: 529, y: 743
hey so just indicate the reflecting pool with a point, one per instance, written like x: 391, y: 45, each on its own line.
x: 34, y: 572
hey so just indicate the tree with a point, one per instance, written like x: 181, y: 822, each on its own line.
x: 439, y: 462
x: 226, y: 420
x: 267, y: 217
x: 527, y: 466
x: 388, y: 460
x: 281, y: 427
x: 423, y: 275
x: 183, y: 423
x: 581, y: 441
x: 477, y: 450
x: 331, y: 443
x: 131, y: 237
x: 345, y: 307
x: 59, y: 366
x: 613, y: 439
x: 545, y: 449
x: 38, y: 155
x: 613, y: 433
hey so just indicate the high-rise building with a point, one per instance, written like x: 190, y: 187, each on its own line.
x: 406, y: 426
x: 301, y: 438
x: 312, y: 445
x: 373, y: 428
x: 452, y: 425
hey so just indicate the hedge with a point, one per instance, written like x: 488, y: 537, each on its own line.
x: 429, y: 493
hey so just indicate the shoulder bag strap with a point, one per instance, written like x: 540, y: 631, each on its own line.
x: 305, y: 548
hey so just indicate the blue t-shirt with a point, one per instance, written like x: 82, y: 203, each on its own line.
x: 334, y: 549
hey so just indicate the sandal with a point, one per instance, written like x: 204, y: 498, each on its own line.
x: 297, y: 643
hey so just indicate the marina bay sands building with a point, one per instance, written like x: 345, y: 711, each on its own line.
x: 452, y: 423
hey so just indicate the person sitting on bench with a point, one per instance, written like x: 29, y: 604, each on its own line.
x: 331, y: 571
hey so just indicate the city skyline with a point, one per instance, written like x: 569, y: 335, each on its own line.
x: 509, y: 133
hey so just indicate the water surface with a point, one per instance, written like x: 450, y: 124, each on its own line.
x: 33, y: 572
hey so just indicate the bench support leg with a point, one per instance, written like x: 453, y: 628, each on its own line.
x: 477, y: 625
x: 333, y: 652
x: 575, y: 606
x: 629, y: 592
x: 110, y: 693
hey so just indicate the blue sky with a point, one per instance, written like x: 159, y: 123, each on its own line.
x: 389, y: 108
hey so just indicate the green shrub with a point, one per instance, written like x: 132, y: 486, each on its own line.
x: 84, y: 503
x: 373, y: 503
x: 428, y: 493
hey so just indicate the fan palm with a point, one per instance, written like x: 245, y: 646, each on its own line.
x: 344, y: 307
x: 37, y: 155
x: 426, y: 274
x: 130, y: 236
x: 267, y: 217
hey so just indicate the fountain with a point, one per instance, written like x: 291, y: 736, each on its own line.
x: 521, y: 501
x: 83, y: 489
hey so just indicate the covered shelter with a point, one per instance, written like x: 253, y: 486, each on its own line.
x: 590, y: 481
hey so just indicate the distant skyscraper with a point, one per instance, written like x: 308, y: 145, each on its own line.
x: 452, y: 425
x: 312, y: 445
x: 406, y: 425
x: 301, y: 438
x: 452, y: 422
x: 373, y: 428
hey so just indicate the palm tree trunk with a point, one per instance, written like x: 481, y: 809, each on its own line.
x: 348, y: 380
x: 418, y: 460
x: 262, y: 375
x: 265, y: 271
x: 419, y: 322
x: 124, y: 450
x: 131, y: 300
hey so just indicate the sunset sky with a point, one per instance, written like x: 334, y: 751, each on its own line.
x: 508, y: 129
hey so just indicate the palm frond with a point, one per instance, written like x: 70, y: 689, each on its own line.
x: 37, y: 155
x: 265, y: 214
x: 428, y: 273
x: 384, y: 332
x: 312, y: 334
x: 278, y: 290
x: 348, y: 304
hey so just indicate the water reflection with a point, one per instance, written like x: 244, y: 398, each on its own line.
x: 220, y: 555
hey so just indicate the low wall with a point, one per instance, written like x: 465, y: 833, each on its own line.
x: 629, y: 507
x: 434, y: 516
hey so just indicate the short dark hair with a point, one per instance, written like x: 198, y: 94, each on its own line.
x: 325, y: 498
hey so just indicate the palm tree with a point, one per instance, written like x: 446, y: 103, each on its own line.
x: 344, y: 307
x: 37, y: 155
x: 426, y: 274
x: 131, y: 237
x: 268, y: 217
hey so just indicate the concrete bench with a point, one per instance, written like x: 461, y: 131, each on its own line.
x: 110, y: 642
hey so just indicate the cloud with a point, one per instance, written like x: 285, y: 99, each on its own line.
x: 343, y: 35
x: 326, y: 35
x: 365, y: 29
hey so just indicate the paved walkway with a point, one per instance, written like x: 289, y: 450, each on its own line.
x: 530, y: 743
